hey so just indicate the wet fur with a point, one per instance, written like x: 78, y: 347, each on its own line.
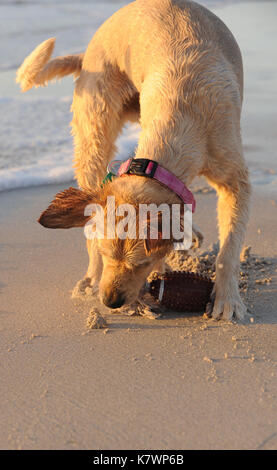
x: 186, y: 69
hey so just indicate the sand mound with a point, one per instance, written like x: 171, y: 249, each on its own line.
x: 254, y: 272
x: 95, y: 321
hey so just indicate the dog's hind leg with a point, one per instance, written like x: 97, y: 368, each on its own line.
x: 99, y: 104
x: 230, y: 178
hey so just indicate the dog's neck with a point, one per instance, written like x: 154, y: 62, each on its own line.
x: 172, y: 134
x: 175, y: 144
x: 137, y: 190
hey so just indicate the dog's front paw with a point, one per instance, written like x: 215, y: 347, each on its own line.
x: 148, y: 311
x: 84, y: 289
x: 141, y: 309
x: 228, y: 308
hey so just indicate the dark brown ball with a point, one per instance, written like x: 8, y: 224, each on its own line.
x: 182, y: 291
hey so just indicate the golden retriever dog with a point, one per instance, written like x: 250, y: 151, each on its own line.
x: 177, y: 69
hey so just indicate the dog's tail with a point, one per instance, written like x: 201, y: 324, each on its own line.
x: 37, y: 69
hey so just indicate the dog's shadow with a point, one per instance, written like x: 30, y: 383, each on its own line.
x: 261, y: 294
x: 165, y: 321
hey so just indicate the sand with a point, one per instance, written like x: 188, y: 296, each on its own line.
x: 95, y: 321
x: 177, y: 382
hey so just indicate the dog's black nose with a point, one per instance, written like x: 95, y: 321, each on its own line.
x: 113, y: 299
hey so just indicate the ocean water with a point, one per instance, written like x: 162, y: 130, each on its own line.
x: 35, y: 142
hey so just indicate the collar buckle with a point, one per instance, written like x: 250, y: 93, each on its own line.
x: 142, y: 167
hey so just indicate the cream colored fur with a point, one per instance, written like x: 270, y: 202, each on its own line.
x: 185, y: 66
x: 38, y: 70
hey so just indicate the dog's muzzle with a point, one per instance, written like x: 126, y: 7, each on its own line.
x: 113, y: 299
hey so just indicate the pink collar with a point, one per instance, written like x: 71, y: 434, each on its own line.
x: 151, y: 169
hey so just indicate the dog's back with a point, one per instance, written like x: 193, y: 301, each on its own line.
x: 140, y: 37
x: 144, y: 33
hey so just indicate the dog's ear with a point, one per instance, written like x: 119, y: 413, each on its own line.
x: 156, y: 245
x: 67, y: 210
x: 159, y: 242
x: 154, y: 242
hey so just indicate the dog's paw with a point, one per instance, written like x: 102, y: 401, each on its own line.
x: 231, y: 308
x: 84, y: 289
x: 139, y: 308
x: 148, y: 311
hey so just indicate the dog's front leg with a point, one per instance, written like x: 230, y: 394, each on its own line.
x: 98, y: 117
x: 233, y: 208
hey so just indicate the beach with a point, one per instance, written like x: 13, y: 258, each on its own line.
x: 178, y: 382
x: 172, y: 383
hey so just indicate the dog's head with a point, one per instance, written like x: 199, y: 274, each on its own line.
x: 127, y: 261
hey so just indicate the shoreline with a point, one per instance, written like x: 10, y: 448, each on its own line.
x: 48, y: 151
x: 199, y: 185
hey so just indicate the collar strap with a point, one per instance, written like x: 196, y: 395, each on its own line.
x: 151, y: 169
